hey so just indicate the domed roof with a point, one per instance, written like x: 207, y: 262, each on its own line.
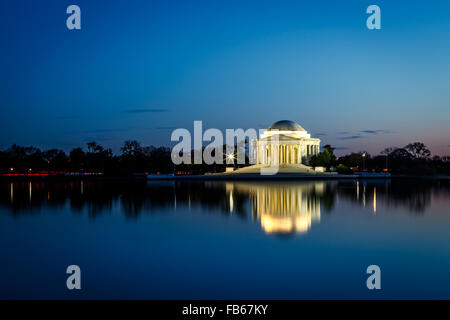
x: 286, y: 125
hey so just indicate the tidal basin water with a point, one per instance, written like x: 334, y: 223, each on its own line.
x: 225, y: 240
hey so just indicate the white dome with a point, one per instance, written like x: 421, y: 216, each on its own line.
x: 286, y: 125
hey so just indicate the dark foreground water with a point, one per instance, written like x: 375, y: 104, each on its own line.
x: 230, y: 240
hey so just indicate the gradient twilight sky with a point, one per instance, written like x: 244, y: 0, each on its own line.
x: 139, y: 69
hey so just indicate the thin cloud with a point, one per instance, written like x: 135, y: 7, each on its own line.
x: 147, y: 110
x: 360, y: 134
x: 374, y: 131
x: 351, y: 137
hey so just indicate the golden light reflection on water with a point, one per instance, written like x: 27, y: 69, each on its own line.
x: 11, y: 192
x: 283, y: 208
x: 276, y: 206
x: 374, y: 200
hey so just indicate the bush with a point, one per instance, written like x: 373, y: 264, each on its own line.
x: 343, y: 169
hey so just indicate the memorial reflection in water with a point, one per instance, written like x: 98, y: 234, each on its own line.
x: 283, y: 207
x: 277, y: 206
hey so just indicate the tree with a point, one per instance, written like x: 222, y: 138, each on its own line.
x: 436, y: 158
x: 389, y: 150
x: 326, y: 158
x: 91, y: 146
x: 342, y: 168
x: 131, y: 148
x: 77, y: 158
x: 355, y: 159
x: 159, y: 160
x: 55, y: 158
x: 400, y: 154
x: 418, y: 150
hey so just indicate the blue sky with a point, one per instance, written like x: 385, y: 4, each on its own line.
x: 139, y: 69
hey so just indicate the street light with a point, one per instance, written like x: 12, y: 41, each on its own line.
x: 364, y: 161
x: 230, y: 158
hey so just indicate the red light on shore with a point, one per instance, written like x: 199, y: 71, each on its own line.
x: 50, y: 173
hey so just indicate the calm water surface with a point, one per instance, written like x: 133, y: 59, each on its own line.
x: 212, y: 240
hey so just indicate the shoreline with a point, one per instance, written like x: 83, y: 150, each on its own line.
x: 301, y: 177
x: 163, y: 177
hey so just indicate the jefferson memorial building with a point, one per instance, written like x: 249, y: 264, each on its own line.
x: 284, y: 143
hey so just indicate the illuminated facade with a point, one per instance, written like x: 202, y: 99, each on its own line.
x: 284, y: 143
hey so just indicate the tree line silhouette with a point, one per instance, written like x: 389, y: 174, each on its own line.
x: 414, y: 158
x: 133, y: 158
